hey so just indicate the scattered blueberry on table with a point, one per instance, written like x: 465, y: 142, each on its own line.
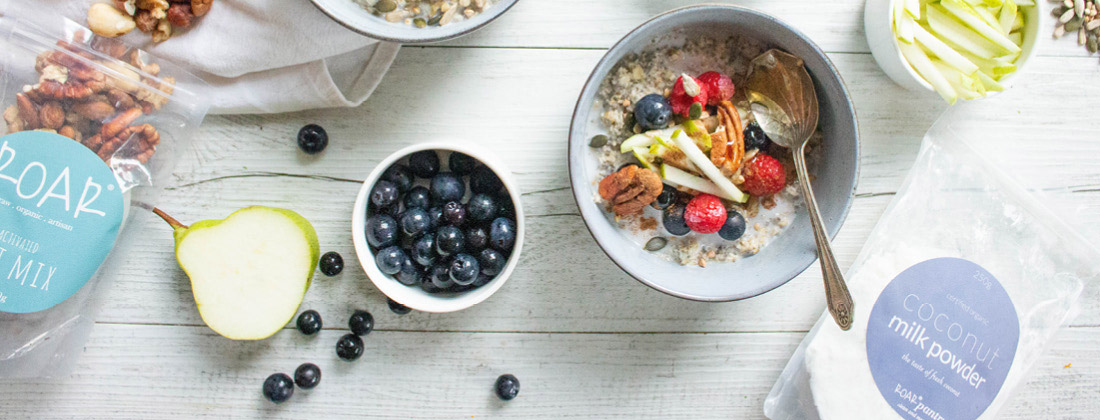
x: 278, y: 388
x: 507, y: 387
x: 349, y: 347
x: 309, y: 322
x: 398, y: 308
x: 307, y: 376
x: 361, y: 322
x: 312, y: 139
x: 331, y: 263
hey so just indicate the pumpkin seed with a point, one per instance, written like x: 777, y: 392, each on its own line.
x: 655, y: 244
x: 1091, y: 44
x: 435, y: 20
x: 385, y: 6
x: 1073, y: 25
x: 599, y: 140
x: 420, y: 22
x: 695, y: 111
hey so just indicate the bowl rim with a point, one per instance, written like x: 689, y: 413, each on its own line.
x: 700, y: 8
x: 1032, y: 25
x: 387, y: 284
x: 503, y: 6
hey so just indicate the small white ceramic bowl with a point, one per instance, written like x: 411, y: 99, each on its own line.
x: 415, y: 297
x: 878, y: 26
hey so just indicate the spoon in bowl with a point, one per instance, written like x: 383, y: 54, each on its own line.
x: 782, y: 99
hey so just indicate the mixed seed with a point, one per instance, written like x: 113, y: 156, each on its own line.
x: 1080, y: 16
x: 425, y: 13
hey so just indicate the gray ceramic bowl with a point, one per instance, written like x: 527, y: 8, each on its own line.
x: 352, y: 16
x: 792, y: 251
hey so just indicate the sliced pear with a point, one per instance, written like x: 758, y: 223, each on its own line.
x: 923, y: 65
x: 712, y: 172
x: 250, y: 271
x: 679, y: 178
x: 637, y: 140
x: 698, y: 132
x: 644, y: 157
x: 967, y: 15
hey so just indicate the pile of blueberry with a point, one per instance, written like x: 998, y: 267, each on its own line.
x: 426, y: 233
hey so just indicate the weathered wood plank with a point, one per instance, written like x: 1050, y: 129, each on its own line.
x: 836, y: 26
x: 157, y: 372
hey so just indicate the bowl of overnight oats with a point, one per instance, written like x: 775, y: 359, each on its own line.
x: 414, y: 21
x: 674, y: 175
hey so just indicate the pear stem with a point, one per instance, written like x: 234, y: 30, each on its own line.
x: 171, y: 221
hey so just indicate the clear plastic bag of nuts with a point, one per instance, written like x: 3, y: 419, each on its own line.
x: 118, y: 101
x: 124, y: 106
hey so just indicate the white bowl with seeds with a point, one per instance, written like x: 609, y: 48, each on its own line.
x: 413, y: 21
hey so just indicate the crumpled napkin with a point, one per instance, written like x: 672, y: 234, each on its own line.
x: 264, y: 56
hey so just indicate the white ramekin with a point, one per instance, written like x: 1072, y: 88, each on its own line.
x: 414, y: 297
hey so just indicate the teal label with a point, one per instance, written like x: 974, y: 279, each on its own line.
x: 60, y: 212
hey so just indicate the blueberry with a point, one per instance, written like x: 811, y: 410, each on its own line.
x: 409, y: 274
x: 312, y: 139
x: 477, y: 238
x: 652, y: 112
x: 734, y: 226
x: 349, y: 347
x: 399, y: 175
x: 417, y: 198
x: 331, y: 263
x: 449, y: 240
x: 391, y: 211
x: 440, y: 276
x: 507, y: 387
x: 309, y: 322
x: 384, y: 194
x: 425, y: 163
x: 454, y: 213
x: 381, y: 230
x: 423, y: 250
x: 461, y: 164
x: 415, y: 221
x: 483, y: 180
x: 482, y: 207
x: 668, y: 195
x: 447, y: 187
x: 307, y: 376
x: 673, y: 219
x: 389, y: 260
x: 278, y: 388
x: 398, y: 308
x: 482, y: 279
x: 505, y: 207
x: 755, y: 138
x: 464, y: 269
x: 361, y: 322
x: 502, y: 234
x: 492, y: 261
x: 435, y: 217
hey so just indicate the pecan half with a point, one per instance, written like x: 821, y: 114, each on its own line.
x: 27, y: 111
x: 630, y: 189
x: 734, y: 133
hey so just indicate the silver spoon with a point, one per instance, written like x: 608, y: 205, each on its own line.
x: 782, y: 98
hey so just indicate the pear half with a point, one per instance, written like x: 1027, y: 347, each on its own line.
x: 250, y: 271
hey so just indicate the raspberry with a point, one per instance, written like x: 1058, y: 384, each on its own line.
x: 719, y: 87
x: 680, y: 100
x: 764, y: 176
x: 705, y: 214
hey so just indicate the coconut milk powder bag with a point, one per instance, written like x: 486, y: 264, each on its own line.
x: 960, y: 287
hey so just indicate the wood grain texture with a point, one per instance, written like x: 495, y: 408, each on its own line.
x: 585, y: 340
x: 154, y: 372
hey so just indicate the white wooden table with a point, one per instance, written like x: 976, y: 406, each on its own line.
x: 584, y: 339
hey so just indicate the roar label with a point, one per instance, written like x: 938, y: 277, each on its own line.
x: 35, y: 184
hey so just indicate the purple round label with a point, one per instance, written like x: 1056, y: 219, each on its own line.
x: 941, y: 339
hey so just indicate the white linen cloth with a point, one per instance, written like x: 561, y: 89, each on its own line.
x: 261, y: 56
